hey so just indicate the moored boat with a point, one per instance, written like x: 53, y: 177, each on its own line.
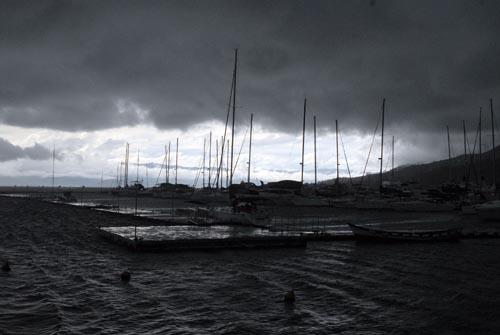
x: 489, y: 211
x: 371, y: 234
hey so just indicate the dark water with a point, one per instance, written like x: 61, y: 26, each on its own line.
x: 65, y: 280
x: 340, y: 288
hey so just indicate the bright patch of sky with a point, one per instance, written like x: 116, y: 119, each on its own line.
x: 275, y: 155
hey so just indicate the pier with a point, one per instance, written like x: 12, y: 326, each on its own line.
x: 204, y: 243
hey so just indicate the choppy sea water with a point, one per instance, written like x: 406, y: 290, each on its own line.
x: 340, y: 287
x: 66, y: 281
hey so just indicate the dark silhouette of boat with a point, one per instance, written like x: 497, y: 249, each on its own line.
x: 364, y: 233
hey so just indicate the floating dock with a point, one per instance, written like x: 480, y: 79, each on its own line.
x: 172, y: 238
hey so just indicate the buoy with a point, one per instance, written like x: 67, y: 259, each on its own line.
x: 6, y: 266
x: 290, y: 297
x: 125, y: 276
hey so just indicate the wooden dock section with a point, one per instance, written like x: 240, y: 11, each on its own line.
x: 247, y: 242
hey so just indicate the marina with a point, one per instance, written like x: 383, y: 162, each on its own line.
x: 249, y: 167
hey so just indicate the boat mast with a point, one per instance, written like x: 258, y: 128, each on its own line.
x: 234, y: 109
x: 250, y: 148
x: 392, y: 170
x: 220, y: 173
x: 493, y: 142
x: 118, y: 175
x: 203, y: 169
x: 125, y: 182
x: 465, y: 151
x: 216, y: 158
x: 480, y: 142
x: 168, y: 163
x: 315, y: 161
x: 227, y: 166
x: 176, y: 159
x: 53, y: 166
x: 137, y: 177
x: 382, y: 144
x: 121, y: 174
x: 449, y: 153
x: 337, y: 181
x: 165, y: 161
x: 303, y: 141
x: 209, y: 162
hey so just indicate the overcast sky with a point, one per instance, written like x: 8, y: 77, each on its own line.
x: 86, y: 76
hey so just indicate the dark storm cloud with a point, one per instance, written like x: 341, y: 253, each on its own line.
x: 84, y: 65
x: 9, y: 151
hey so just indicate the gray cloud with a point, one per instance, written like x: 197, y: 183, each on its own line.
x: 9, y: 151
x: 84, y: 65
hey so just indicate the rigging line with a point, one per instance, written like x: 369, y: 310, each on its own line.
x: 452, y: 150
x: 495, y: 128
x: 387, y: 163
x: 198, y: 172
x: 161, y: 168
x: 225, y: 131
x: 294, y: 144
x: 197, y: 177
x: 369, y: 151
x: 471, y: 165
x: 345, y: 157
x: 468, y: 146
x: 241, y: 148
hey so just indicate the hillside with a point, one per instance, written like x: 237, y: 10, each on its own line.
x: 439, y: 172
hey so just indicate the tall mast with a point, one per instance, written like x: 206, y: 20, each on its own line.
x: 120, y: 179
x: 392, y: 170
x: 209, y: 161
x: 176, y: 159
x: 168, y: 163
x: 493, y: 142
x: 203, y: 169
x: 465, y: 150
x: 382, y: 144
x: 337, y: 146
x: 165, y: 161
x: 234, y: 109
x: 220, y: 174
x: 118, y: 175
x: 217, y: 157
x: 125, y: 182
x: 53, y: 166
x: 250, y: 148
x: 449, y: 152
x: 315, y: 161
x: 480, y: 142
x: 137, y: 178
x: 227, y: 166
x: 303, y: 141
